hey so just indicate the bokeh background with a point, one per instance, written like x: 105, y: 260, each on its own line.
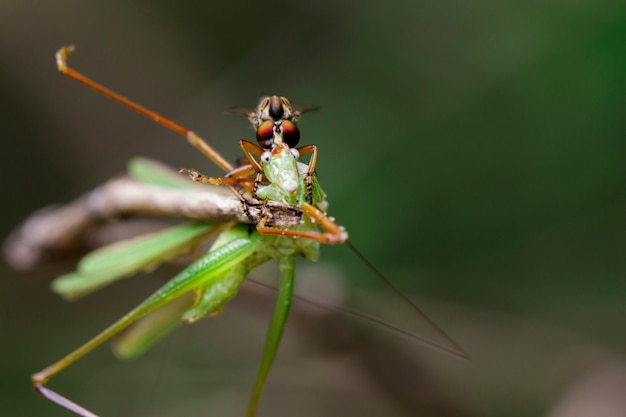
x: 474, y: 150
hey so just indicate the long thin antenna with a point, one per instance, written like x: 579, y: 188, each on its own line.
x: 456, y: 350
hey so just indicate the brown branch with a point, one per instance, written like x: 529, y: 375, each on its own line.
x: 54, y: 231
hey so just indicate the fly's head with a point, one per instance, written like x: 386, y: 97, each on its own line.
x: 275, y: 122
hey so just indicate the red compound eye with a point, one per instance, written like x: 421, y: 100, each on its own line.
x: 265, y: 134
x: 291, y: 133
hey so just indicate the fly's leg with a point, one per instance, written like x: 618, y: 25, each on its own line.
x: 195, y: 140
x: 332, y: 232
x: 305, y: 150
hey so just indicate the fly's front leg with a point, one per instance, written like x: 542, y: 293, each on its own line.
x: 236, y: 176
x: 229, y: 182
x: 263, y: 217
x: 332, y: 234
x: 305, y: 150
x: 250, y: 150
x: 196, y: 176
x: 192, y: 138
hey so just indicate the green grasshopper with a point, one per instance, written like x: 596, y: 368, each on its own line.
x: 272, y: 173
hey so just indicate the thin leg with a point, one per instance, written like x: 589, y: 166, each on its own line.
x: 229, y: 182
x: 198, y: 177
x: 63, y: 402
x: 244, y: 170
x: 305, y: 150
x: 333, y: 233
x: 190, y: 278
x: 250, y: 150
x: 192, y: 138
x: 236, y: 176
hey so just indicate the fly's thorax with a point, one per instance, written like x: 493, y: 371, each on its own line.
x: 272, y: 108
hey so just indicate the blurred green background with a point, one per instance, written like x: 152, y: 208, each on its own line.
x: 474, y: 150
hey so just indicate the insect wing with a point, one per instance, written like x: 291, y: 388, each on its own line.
x: 240, y: 110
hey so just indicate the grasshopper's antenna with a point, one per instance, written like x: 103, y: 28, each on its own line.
x: 455, y: 350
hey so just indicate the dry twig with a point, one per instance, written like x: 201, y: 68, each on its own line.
x: 54, y: 231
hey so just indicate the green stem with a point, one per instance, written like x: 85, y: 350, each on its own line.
x: 287, y: 267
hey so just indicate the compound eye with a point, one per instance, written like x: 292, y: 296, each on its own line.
x: 265, y: 134
x: 265, y: 157
x: 291, y: 133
